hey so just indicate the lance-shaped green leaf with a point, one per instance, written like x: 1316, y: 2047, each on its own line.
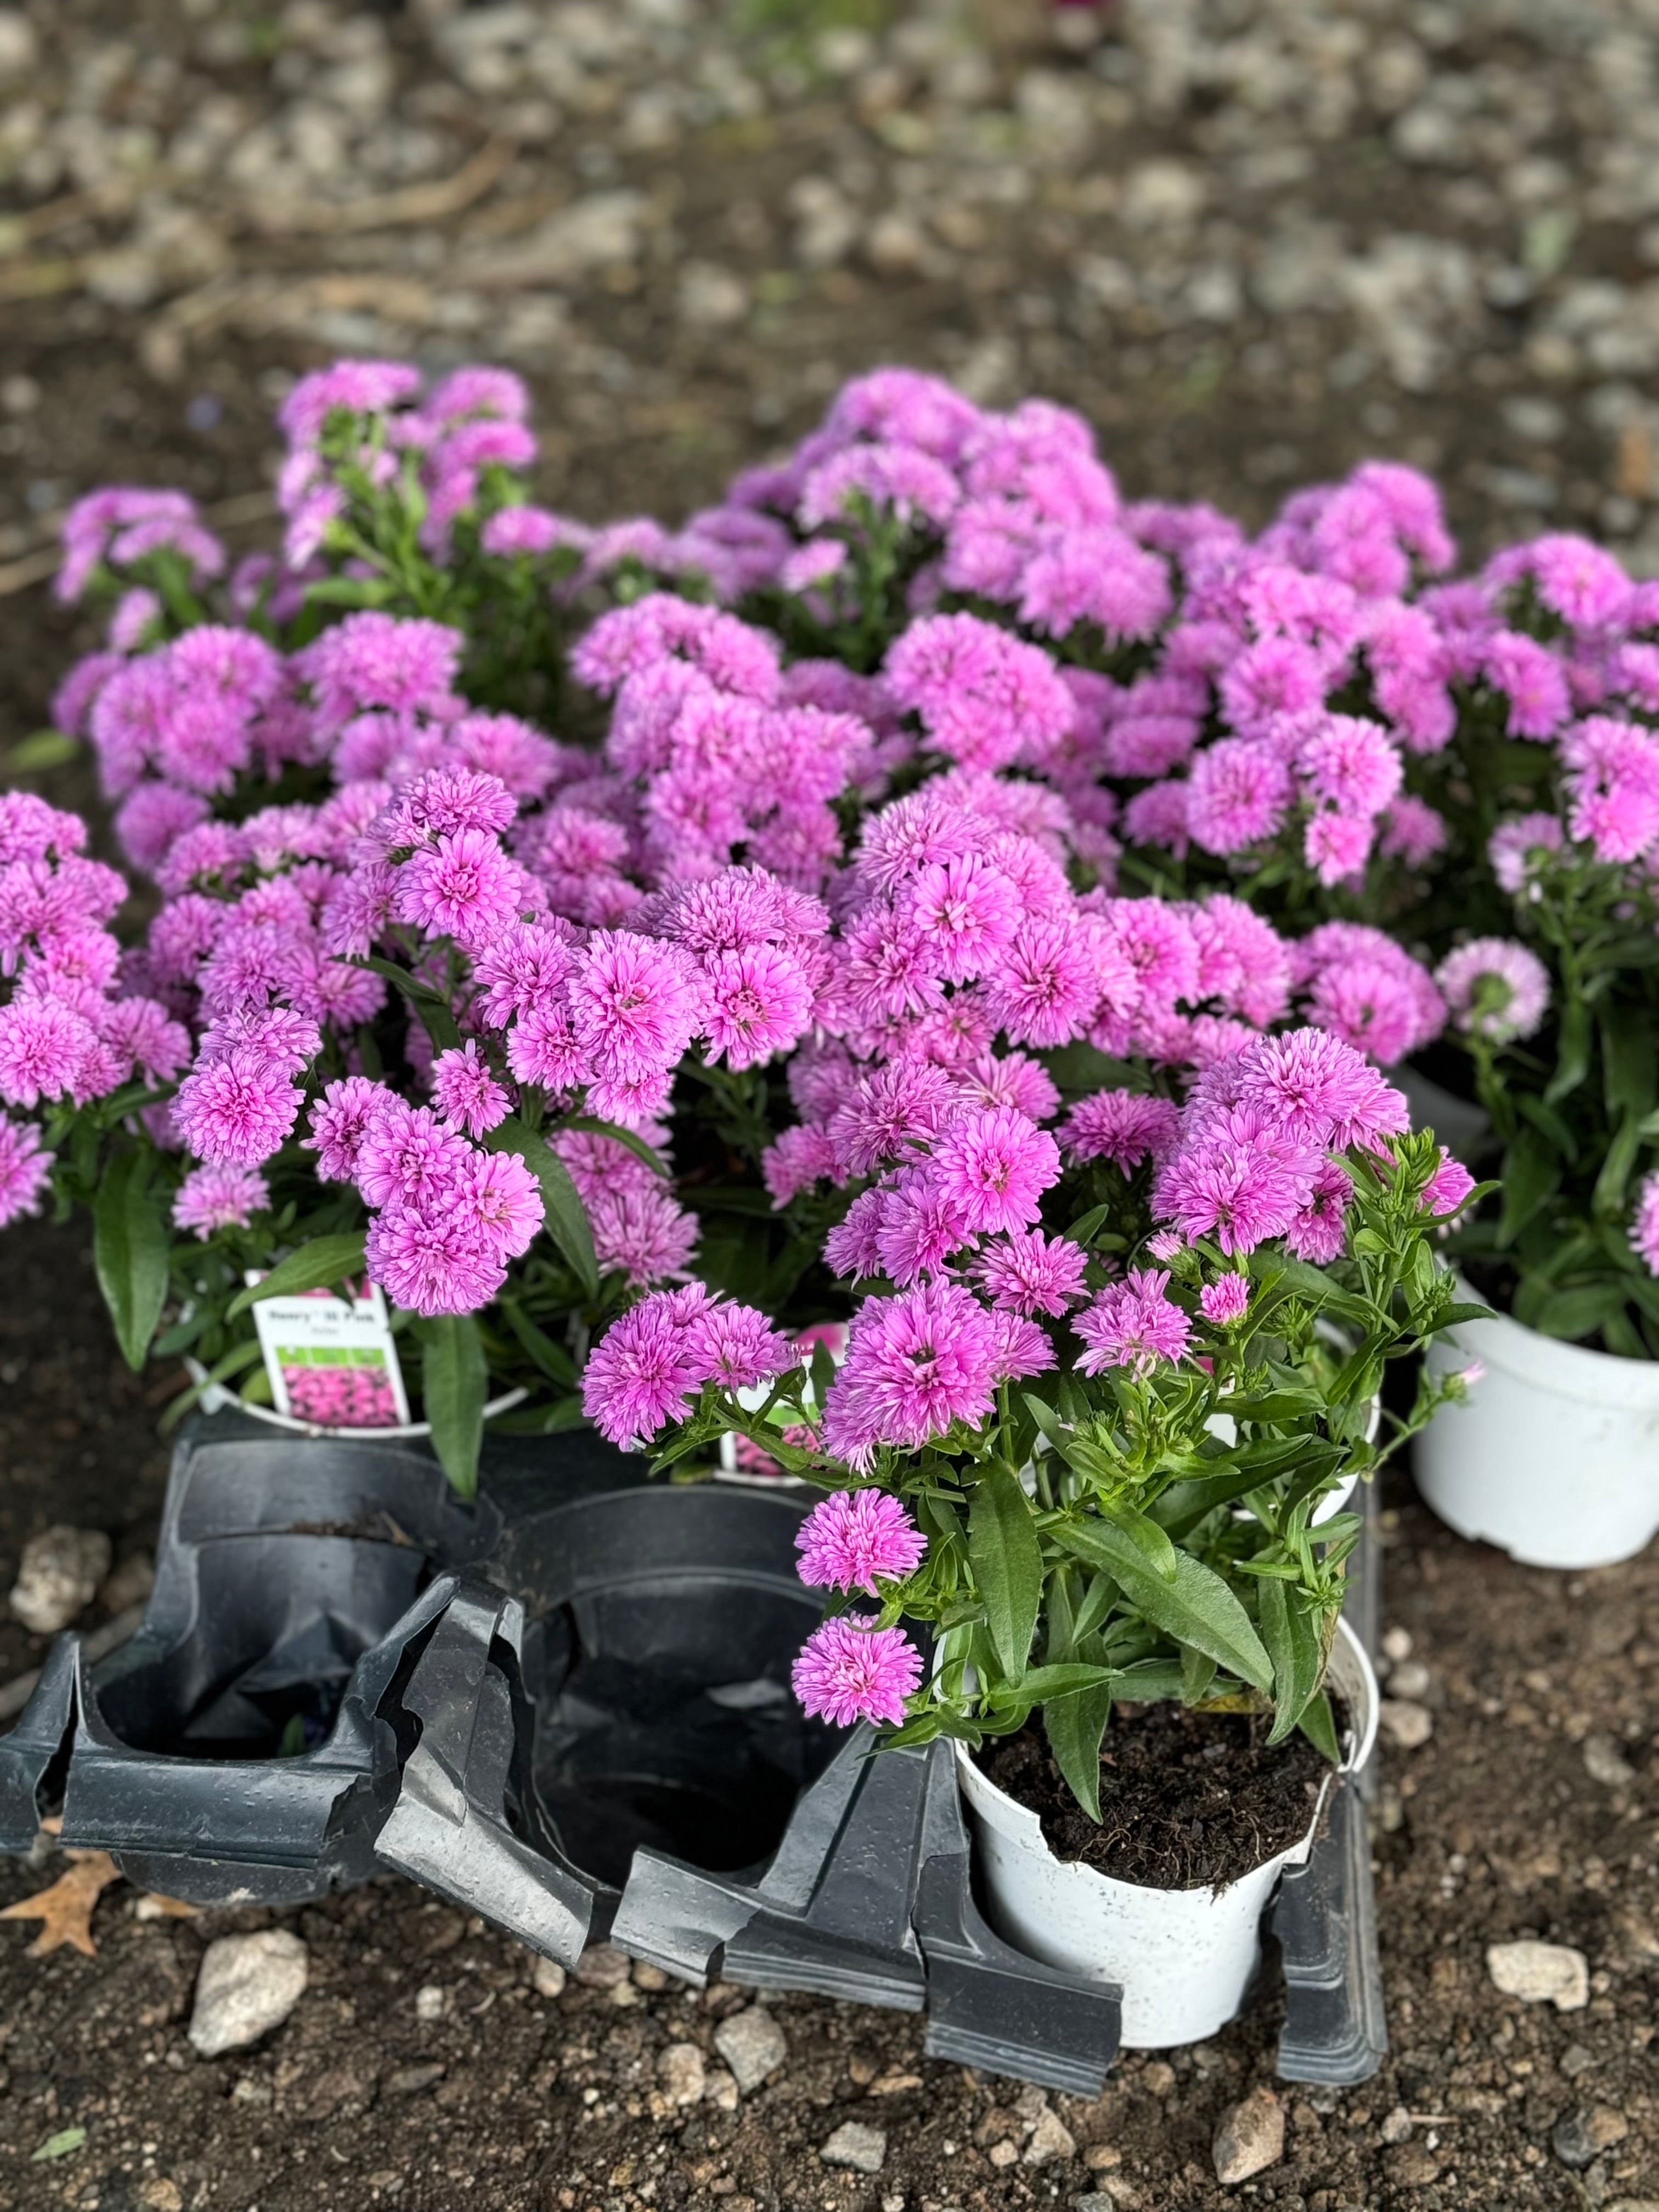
x: 432, y: 1011
x: 566, y: 1215
x: 129, y: 1252
x: 1196, y: 1607
x: 1074, y: 1725
x: 1007, y: 1562
x: 454, y: 1385
x: 315, y: 1266
x: 1294, y: 1649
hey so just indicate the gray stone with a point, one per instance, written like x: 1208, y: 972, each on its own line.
x: 1541, y: 1973
x: 246, y: 1985
x: 1051, y: 2139
x: 680, y: 2069
x: 410, y: 2081
x: 1580, y: 2138
x: 429, y: 2001
x: 1406, y: 1723
x: 58, y: 1576
x: 1604, y: 1762
x: 1251, y: 2137
x: 853, y: 2144
x: 751, y: 2044
x: 1411, y: 1679
x: 547, y: 1978
x: 711, y: 298
x: 602, y: 1966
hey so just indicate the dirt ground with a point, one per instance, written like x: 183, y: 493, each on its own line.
x: 492, y: 2095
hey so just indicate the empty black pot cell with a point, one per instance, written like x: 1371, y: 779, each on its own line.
x: 661, y: 1625
x: 232, y: 1747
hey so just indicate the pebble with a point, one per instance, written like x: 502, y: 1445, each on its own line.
x: 1157, y: 2078
x: 1411, y: 2165
x: 680, y: 2069
x: 711, y: 298
x: 1397, y: 2127
x: 1579, y: 2138
x: 547, y: 1978
x: 1411, y: 1679
x: 752, y: 2044
x: 410, y: 2081
x: 58, y: 1576
x: 853, y: 2144
x: 1405, y: 1722
x: 246, y: 1986
x: 429, y: 2001
x: 602, y: 1966
x: 1051, y: 2139
x: 1250, y: 2138
x: 1541, y: 1973
x: 1604, y: 1762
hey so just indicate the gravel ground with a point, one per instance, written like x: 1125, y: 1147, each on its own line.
x: 1253, y: 239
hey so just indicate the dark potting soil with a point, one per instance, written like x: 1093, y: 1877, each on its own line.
x: 1188, y: 1799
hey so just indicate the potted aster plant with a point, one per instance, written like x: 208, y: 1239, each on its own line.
x: 1080, y: 1353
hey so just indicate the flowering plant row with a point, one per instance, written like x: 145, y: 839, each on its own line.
x: 425, y: 981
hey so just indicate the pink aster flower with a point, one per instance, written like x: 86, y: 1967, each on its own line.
x: 338, y: 1121
x: 464, y: 887
x: 853, y: 1537
x: 407, y: 1157
x: 43, y: 1048
x: 1124, y: 1126
x: 922, y: 1224
x: 433, y: 1263
x: 738, y: 1347
x: 759, y: 1003
x: 1495, y: 987
x: 1241, y: 1179
x: 850, y: 1670
x: 915, y: 1362
x: 1044, y: 988
x: 1321, y: 1089
x: 1319, y: 1229
x: 23, y: 1168
x: 219, y: 1197
x: 1027, y: 1272
x: 1413, y: 831
x: 646, y: 1367
x: 499, y: 1198
x: 966, y: 911
x: 466, y: 1092
x: 634, y: 1003
x: 235, y: 1110
x: 1132, y: 1324
x: 1447, y: 1188
x: 641, y: 1232
x: 1226, y: 1300
x: 1644, y: 1228
x: 1517, y: 848
x: 1336, y: 847
x: 1237, y: 794
x: 994, y: 1165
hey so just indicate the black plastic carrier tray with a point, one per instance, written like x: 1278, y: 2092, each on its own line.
x: 566, y: 1707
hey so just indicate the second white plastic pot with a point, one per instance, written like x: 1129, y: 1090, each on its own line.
x: 1184, y: 1958
x: 1553, y: 1455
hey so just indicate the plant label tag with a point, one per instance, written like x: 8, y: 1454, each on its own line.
x: 331, y: 1358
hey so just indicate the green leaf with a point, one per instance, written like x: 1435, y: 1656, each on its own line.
x: 315, y: 1266
x: 1318, y: 1724
x: 1532, y: 1176
x: 1149, y: 1539
x: 1074, y: 1726
x: 236, y: 1361
x: 1061, y: 1681
x: 63, y: 2144
x: 1572, y: 1065
x: 1007, y: 1562
x: 1294, y: 1650
x: 454, y: 1385
x: 434, y: 1013
x: 130, y: 1247
x: 554, y: 1361
x: 1576, y: 1314
x: 1273, y: 1406
x: 1196, y: 1609
x: 629, y: 1137
x: 42, y: 749
x: 567, y: 1217
x: 351, y: 592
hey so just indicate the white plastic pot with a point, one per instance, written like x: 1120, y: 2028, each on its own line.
x: 1554, y: 1454
x: 215, y: 1398
x: 1184, y: 1958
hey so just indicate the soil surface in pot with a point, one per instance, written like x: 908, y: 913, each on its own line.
x: 1188, y: 1799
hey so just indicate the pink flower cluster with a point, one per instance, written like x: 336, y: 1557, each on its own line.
x: 341, y: 1397
x: 73, y: 1029
x: 651, y: 1364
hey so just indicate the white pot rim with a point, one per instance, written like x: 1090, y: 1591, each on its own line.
x: 216, y: 1397
x: 1355, y: 1660
x: 1548, y: 1362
